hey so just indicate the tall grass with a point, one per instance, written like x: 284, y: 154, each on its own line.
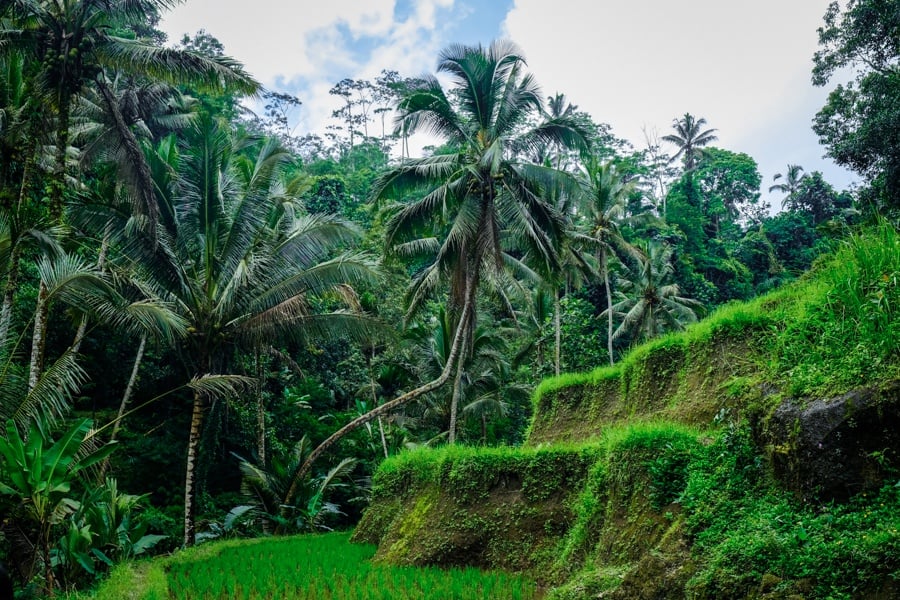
x: 835, y: 329
x: 844, y: 328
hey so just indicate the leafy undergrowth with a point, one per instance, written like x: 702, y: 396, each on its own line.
x: 675, y: 513
x: 320, y: 567
x: 749, y: 536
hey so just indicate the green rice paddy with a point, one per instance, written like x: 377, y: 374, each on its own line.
x: 328, y: 567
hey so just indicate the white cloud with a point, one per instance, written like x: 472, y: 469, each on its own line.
x: 272, y: 37
x: 307, y: 48
x: 640, y: 63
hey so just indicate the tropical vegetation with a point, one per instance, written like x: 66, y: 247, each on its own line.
x: 213, y: 326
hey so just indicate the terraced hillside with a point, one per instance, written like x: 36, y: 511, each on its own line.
x: 754, y: 455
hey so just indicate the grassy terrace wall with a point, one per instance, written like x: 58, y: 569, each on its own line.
x: 712, y: 463
x: 498, y: 508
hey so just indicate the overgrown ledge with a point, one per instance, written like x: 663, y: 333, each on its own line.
x: 752, y: 456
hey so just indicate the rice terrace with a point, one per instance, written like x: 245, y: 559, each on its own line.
x: 447, y: 299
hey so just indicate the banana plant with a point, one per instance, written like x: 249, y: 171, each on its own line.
x: 105, y: 529
x: 39, y: 472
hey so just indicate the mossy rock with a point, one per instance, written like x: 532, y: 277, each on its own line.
x: 831, y: 449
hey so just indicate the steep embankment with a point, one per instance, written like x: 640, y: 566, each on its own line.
x: 751, y: 456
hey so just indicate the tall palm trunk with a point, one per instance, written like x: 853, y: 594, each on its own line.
x: 457, y: 392
x: 57, y: 188
x: 190, y: 509
x: 126, y: 397
x: 375, y: 404
x: 556, y: 331
x: 604, y: 264
x: 39, y: 335
x: 58, y: 182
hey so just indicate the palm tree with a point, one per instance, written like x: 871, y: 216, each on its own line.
x: 604, y: 197
x: 651, y: 303
x: 290, y: 503
x: 238, y: 262
x: 790, y: 185
x: 480, y: 197
x: 479, y: 201
x: 471, y: 202
x: 74, y: 44
x: 690, y: 136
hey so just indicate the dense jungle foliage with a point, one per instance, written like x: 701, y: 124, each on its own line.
x: 214, y: 327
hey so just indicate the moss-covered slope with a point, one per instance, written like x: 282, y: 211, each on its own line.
x: 753, y: 455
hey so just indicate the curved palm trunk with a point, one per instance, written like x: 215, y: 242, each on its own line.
x: 388, y: 407
x: 609, y: 331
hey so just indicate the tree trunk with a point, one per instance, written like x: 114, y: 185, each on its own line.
x: 260, y: 414
x: 57, y: 188
x: 457, y: 392
x: 126, y: 397
x: 39, y: 336
x: 190, y: 508
x: 58, y: 181
x: 556, y: 330
x: 375, y: 404
x: 387, y: 407
x: 609, y: 310
x: 9, y: 291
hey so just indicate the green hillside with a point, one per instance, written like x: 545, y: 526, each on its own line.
x: 753, y: 455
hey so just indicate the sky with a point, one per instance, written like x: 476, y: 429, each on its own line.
x: 635, y: 64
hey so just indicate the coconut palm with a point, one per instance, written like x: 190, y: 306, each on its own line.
x: 790, y: 184
x: 237, y: 260
x: 690, y: 137
x: 479, y: 201
x: 651, y: 304
x: 603, y: 199
x: 76, y: 42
